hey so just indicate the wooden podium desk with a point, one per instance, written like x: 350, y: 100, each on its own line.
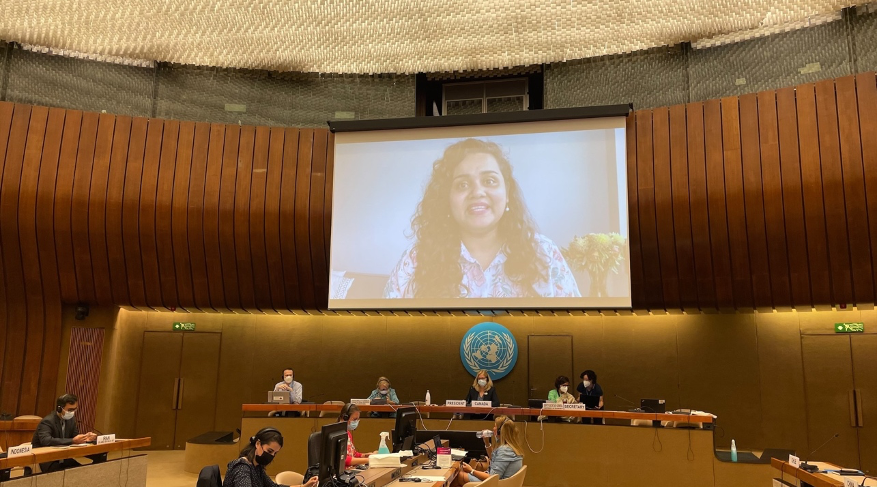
x: 16, y: 432
x: 803, y: 477
x: 51, y: 453
x: 381, y: 476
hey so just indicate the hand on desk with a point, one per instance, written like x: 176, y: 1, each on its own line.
x: 284, y: 387
x: 84, y: 438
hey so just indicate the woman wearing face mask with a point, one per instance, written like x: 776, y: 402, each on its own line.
x: 383, y: 390
x: 350, y: 413
x: 248, y: 470
x: 589, y: 387
x: 506, y: 454
x: 560, y: 394
x: 482, y: 390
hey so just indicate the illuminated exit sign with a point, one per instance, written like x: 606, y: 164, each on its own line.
x: 849, y: 327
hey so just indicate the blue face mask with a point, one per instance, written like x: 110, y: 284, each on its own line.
x: 352, y: 425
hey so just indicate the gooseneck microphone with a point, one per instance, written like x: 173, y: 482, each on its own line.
x: 812, y: 468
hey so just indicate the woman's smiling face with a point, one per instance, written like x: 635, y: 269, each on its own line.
x: 478, y: 194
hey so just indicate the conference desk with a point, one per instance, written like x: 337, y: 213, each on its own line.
x: 555, y: 452
x: 411, y: 467
x: 17, y: 431
x: 797, y: 476
x: 131, y: 468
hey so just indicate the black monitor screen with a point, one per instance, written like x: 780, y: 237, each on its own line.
x: 406, y: 425
x: 333, y: 450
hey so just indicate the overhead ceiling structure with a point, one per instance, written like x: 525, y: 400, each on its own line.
x: 383, y: 36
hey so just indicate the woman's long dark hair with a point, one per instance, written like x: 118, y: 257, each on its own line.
x: 265, y: 436
x: 437, y: 248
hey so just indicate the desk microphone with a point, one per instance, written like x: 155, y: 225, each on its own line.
x: 633, y: 404
x: 812, y: 468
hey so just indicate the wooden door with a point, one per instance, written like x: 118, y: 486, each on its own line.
x: 548, y: 356
x: 199, y: 369
x: 865, y: 373
x: 157, y: 398
x: 828, y: 384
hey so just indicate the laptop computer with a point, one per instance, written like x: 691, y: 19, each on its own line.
x: 591, y: 402
x: 378, y: 401
x: 535, y: 403
x: 653, y: 405
x: 278, y: 397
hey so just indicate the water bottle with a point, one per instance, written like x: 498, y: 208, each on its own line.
x: 733, y: 451
x: 427, y: 397
x: 383, y: 448
x: 484, y: 434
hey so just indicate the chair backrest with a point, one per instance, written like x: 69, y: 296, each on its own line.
x: 209, y: 477
x: 28, y: 416
x: 314, y: 448
x: 323, y: 414
x: 289, y: 478
x: 492, y: 481
x: 516, y: 480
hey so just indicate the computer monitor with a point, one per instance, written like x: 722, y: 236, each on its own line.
x: 333, y: 451
x: 406, y: 425
x: 465, y: 440
x: 653, y: 405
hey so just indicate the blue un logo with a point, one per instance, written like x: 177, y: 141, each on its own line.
x: 489, y: 346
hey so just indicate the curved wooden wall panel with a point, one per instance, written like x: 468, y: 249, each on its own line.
x: 766, y: 200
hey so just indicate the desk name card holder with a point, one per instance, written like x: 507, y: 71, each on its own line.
x: 794, y: 461
x: 106, y: 439
x: 848, y: 482
x: 552, y: 405
x: 482, y: 404
x: 455, y: 403
x: 21, y: 450
x: 443, y: 457
x: 575, y: 406
x: 360, y: 402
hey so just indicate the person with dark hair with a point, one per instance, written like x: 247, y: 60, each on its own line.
x: 248, y: 470
x: 350, y: 414
x: 295, y: 392
x: 589, y: 387
x: 60, y: 428
x: 560, y: 394
x: 474, y: 237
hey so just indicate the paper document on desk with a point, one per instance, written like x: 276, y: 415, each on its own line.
x: 386, y: 460
x: 430, y: 478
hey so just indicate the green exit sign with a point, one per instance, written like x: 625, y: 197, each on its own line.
x: 849, y: 327
x: 180, y: 326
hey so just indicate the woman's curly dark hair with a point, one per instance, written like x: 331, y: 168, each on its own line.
x: 438, y: 273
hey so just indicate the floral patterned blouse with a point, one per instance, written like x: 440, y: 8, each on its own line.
x: 491, y: 282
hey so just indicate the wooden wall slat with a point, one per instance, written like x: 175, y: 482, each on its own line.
x: 47, y: 260
x: 164, y: 242
x: 833, y: 193
x: 63, y: 205
x: 227, y: 255
x: 858, y: 234
x: 754, y: 199
x: 148, y: 201
x: 302, y: 234
x: 648, y: 232
x: 79, y: 211
x: 681, y: 207
x: 179, y: 216
x: 327, y: 197
x: 241, y: 220
x: 718, y: 219
x: 664, y: 207
x: 258, y: 228
x: 210, y: 225
x: 16, y: 311
x: 202, y: 285
x: 738, y: 239
x: 866, y: 94
x: 637, y: 286
x: 811, y: 183
x: 6, y: 110
x: 279, y: 262
x: 793, y: 199
x: 33, y: 289
x: 118, y: 276
x: 97, y: 215
x: 319, y: 264
x: 131, y: 212
x: 772, y: 190
x: 699, y: 200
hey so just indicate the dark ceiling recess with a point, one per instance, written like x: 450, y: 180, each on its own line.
x: 429, y: 85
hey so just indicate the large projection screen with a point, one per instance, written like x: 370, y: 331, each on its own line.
x: 522, y: 215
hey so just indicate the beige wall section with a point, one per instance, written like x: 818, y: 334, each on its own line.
x: 746, y: 368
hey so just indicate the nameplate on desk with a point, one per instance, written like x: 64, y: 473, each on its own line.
x: 360, y: 402
x: 794, y: 461
x: 443, y: 457
x: 575, y: 406
x: 106, y: 439
x: 482, y: 404
x: 454, y: 403
x: 17, y: 451
x: 552, y: 405
x: 848, y: 482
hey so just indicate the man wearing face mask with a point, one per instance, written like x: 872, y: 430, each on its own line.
x: 294, y: 388
x: 61, y: 429
x: 589, y: 387
x: 383, y: 390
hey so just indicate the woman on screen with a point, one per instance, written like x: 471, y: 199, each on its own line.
x: 474, y: 237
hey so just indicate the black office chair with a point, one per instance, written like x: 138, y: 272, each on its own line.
x: 314, y: 448
x: 209, y: 477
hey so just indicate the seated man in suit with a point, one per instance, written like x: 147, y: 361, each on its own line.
x: 60, y: 429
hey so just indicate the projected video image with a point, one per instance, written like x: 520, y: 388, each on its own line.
x: 495, y: 218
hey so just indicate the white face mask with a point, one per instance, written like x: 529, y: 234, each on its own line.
x: 384, y: 391
x: 586, y: 383
x: 68, y: 415
x: 482, y: 382
x: 288, y: 379
x: 563, y: 389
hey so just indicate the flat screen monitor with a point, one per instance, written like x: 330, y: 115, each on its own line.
x: 499, y: 216
x: 406, y: 425
x: 333, y: 451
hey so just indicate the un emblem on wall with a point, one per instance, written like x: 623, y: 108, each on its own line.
x: 489, y: 346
